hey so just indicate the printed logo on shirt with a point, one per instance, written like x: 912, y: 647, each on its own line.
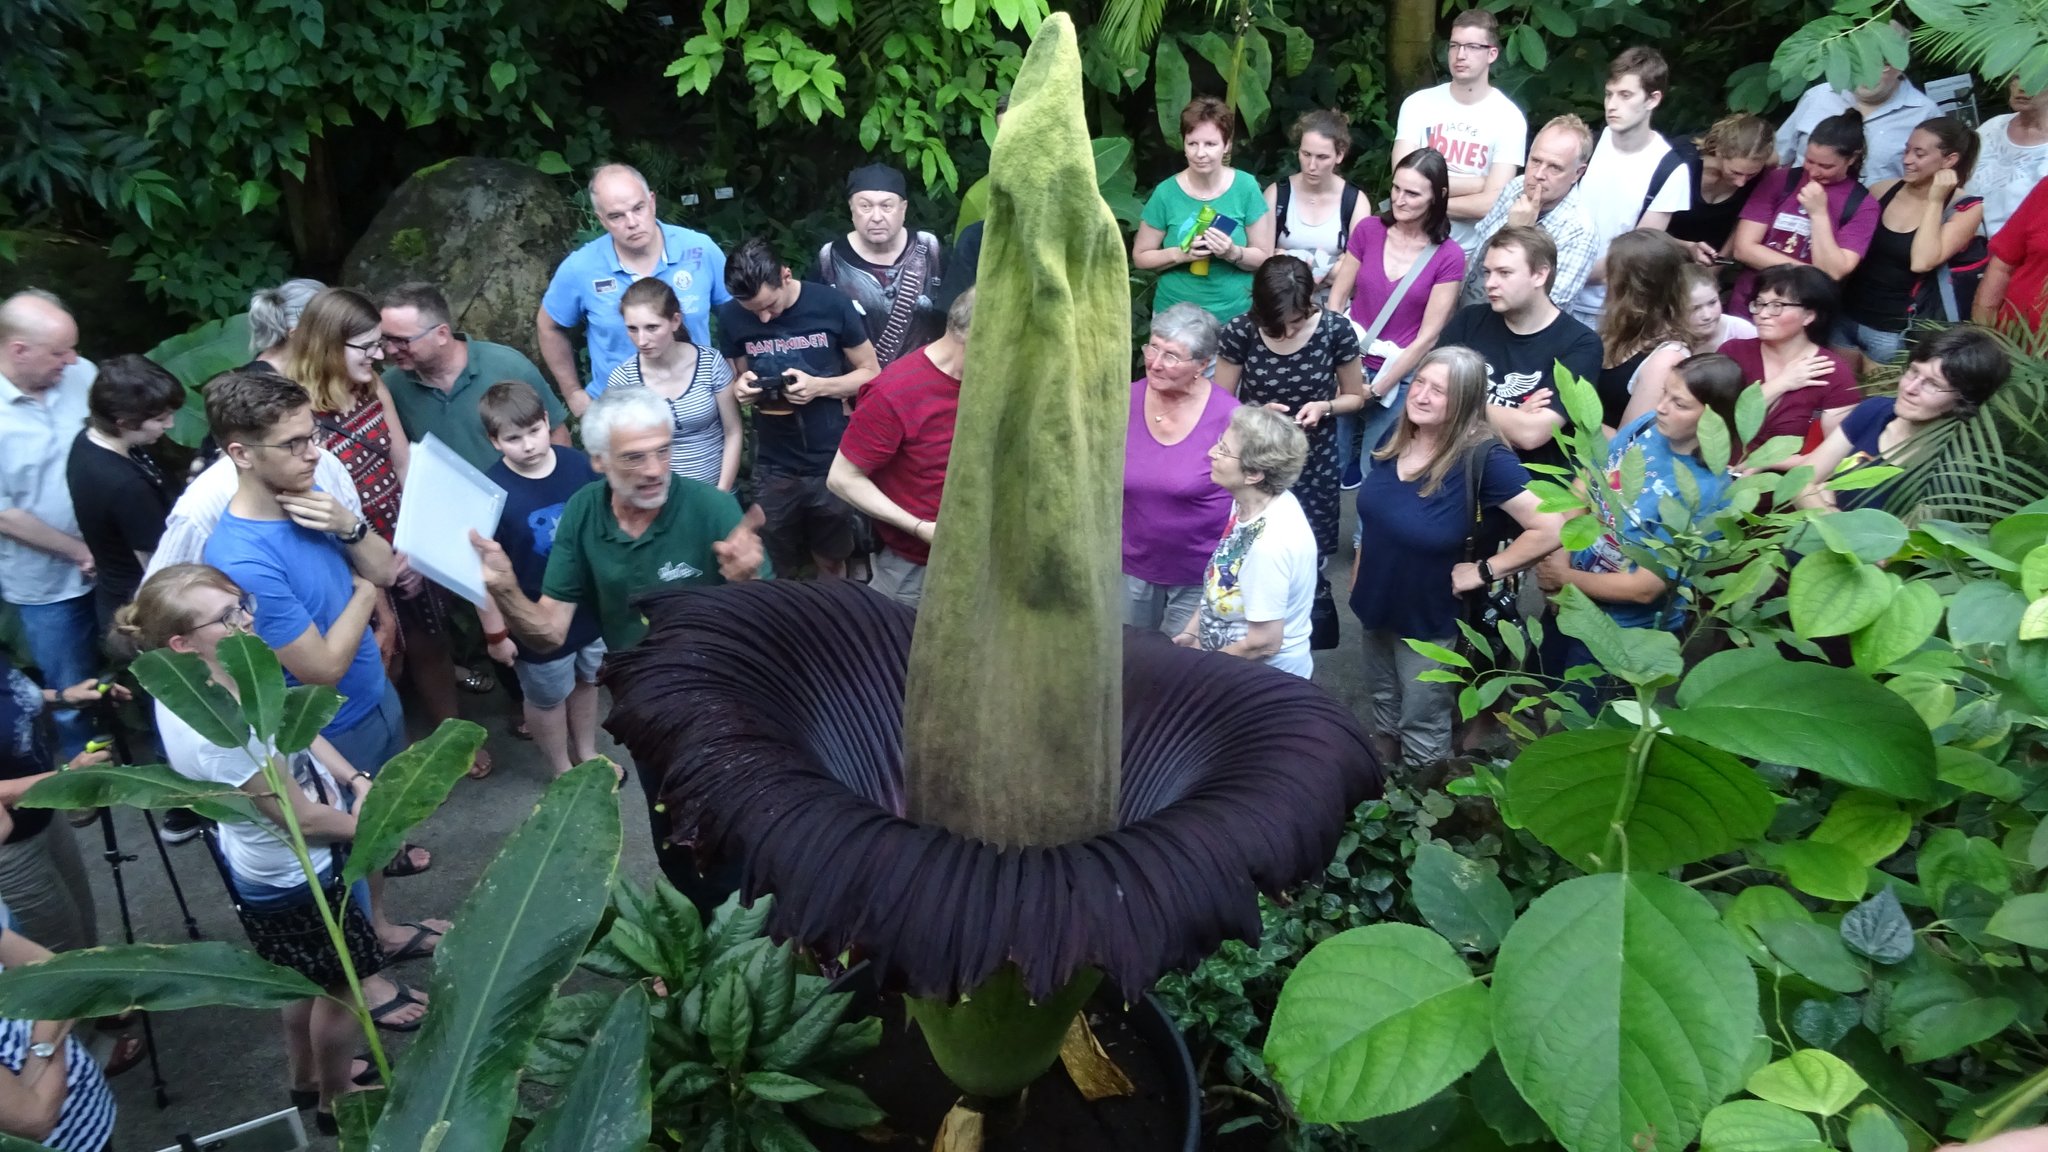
x: 683, y: 280
x: 605, y: 285
x: 1513, y: 388
x: 783, y: 345
x: 677, y: 570
x: 694, y: 258
x: 542, y: 523
x: 1464, y: 154
x: 1797, y: 227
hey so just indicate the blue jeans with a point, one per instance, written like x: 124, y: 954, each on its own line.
x: 375, y: 738
x: 63, y: 641
x: 265, y: 898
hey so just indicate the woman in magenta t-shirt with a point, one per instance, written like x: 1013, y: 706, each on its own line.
x: 1808, y: 387
x: 1818, y: 214
x: 1174, y: 513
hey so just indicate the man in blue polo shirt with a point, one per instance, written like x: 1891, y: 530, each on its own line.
x: 587, y: 286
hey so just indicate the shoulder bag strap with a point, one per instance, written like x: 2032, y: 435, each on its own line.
x: 1394, y: 298
x: 1668, y: 163
x: 1857, y: 195
x: 1346, y: 207
x: 1282, y: 193
x: 1475, y: 461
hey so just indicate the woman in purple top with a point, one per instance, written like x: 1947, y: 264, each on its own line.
x: 1415, y: 227
x: 1819, y: 213
x: 1174, y: 513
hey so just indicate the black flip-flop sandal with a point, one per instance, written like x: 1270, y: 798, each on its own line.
x: 400, y: 999
x: 402, y: 864
x: 411, y: 949
x: 304, y: 1098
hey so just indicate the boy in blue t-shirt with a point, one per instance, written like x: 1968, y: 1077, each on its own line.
x: 538, y: 478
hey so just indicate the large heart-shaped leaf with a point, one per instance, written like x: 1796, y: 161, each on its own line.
x: 608, y: 1104
x: 151, y: 786
x: 1829, y: 720
x: 1908, y: 619
x: 1815, y: 952
x: 1832, y: 594
x: 1376, y: 1020
x: 1758, y: 1126
x: 1809, y: 1080
x: 1692, y: 801
x: 2023, y: 920
x: 514, y: 941
x: 411, y: 785
x: 1868, y: 826
x: 1623, y: 1008
x: 1460, y: 897
x: 153, y: 977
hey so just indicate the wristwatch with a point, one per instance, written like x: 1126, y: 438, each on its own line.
x: 355, y: 535
x: 42, y: 1049
x: 1486, y: 572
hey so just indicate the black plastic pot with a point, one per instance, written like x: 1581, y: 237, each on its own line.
x: 1148, y: 1019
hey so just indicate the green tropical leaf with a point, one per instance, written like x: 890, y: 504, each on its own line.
x: 308, y: 708
x: 1832, y: 594
x: 1460, y: 897
x: 1823, y: 1023
x: 1868, y: 534
x: 1645, y: 657
x: 408, y: 790
x: 1828, y: 720
x: 840, y: 1105
x: 1691, y: 802
x: 1828, y: 871
x: 1878, y: 929
x: 1172, y: 86
x: 1872, y: 1129
x: 608, y: 1104
x: 1757, y: 1126
x: 2022, y: 920
x: 1623, y: 1005
x: 1950, y: 858
x: 1906, y: 623
x: 1815, y: 952
x: 151, y: 786
x: 260, y: 680
x: 728, y: 1021
x: 515, y: 939
x: 1868, y: 826
x: 1809, y: 1080
x: 179, y: 681
x: 1376, y: 1020
x: 153, y: 977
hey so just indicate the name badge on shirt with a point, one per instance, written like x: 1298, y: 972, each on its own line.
x: 683, y: 280
x: 604, y: 286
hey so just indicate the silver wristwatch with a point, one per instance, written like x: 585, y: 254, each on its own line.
x: 42, y: 1049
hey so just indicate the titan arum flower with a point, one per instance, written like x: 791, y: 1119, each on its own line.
x: 1022, y: 798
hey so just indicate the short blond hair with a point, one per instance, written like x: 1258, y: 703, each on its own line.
x: 1270, y: 444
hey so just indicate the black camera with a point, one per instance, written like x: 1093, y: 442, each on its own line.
x: 772, y: 401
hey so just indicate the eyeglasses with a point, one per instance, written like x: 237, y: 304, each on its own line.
x: 1455, y: 48
x: 400, y: 343
x: 1216, y: 449
x: 372, y: 347
x: 296, y: 446
x: 1771, y: 307
x: 1920, y: 380
x: 636, y: 459
x: 1165, y: 358
x: 244, y: 609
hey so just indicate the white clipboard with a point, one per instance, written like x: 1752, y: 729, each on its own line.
x: 445, y: 497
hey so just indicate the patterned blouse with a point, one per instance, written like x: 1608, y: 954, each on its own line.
x: 362, y: 441
x: 86, y: 1121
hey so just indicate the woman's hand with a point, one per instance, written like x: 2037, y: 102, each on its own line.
x: 1813, y: 196
x: 1805, y: 372
x: 503, y: 651
x: 89, y: 759
x: 87, y: 692
x: 360, y: 785
x: 1187, y: 640
x: 1312, y: 413
x: 1465, y: 578
x: 1944, y: 182
x: 1216, y: 243
x: 1551, y: 570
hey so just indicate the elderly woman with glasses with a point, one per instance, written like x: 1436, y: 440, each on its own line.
x: 1258, y: 591
x: 1173, y: 510
x: 1948, y: 377
x: 1809, y: 388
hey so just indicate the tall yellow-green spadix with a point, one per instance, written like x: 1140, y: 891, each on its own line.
x: 1014, y: 713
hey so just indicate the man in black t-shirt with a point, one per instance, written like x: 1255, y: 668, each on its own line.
x: 1524, y: 337
x: 812, y: 337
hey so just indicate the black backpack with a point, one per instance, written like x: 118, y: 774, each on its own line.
x: 1284, y: 191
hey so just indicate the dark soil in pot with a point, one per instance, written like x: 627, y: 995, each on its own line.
x: 904, y: 1082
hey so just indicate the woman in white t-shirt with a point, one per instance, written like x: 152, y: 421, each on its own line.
x: 1315, y: 209
x: 1258, y: 593
x: 191, y: 608
x: 2012, y: 155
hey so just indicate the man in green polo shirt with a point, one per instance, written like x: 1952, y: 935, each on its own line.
x: 438, y: 375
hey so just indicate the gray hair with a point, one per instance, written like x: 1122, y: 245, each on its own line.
x: 960, y: 316
x: 1270, y: 444
x: 617, y: 409
x: 274, y: 312
x: 1190, y: 326
x: 628, y: 169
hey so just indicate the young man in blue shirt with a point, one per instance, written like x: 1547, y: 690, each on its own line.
x: 588, y: 285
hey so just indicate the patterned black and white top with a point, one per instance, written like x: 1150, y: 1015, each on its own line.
x: 86, y: 1121
x: 1305, y: 375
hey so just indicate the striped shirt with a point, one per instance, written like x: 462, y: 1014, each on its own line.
x: 697, y: 450
x: 86, y: 1121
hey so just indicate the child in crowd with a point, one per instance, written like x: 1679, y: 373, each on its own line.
x: 538, y: 478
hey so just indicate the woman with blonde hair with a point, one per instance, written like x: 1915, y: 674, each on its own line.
x: 1643, y: 332
x: 192, y: 608
x: 1724, y: 161
x: 1424, y: 549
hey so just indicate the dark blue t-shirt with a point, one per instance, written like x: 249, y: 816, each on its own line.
x: 1411, y: 542
x: 299, y: 577
x: 1864, y: 429
x: 22, y: 751
x: 812, y: 336
x: 527, y: 531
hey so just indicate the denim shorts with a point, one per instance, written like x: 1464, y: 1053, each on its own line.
x: 1880, y: 346
x: 548, y: 684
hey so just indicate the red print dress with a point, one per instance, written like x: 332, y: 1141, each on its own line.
x: 362, y: 441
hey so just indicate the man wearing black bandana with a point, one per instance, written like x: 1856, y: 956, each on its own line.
x: 888, y: 271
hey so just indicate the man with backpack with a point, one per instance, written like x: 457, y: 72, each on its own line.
x: 1634, y: 179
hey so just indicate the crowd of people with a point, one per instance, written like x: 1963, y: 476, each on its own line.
x: 1308, y: 337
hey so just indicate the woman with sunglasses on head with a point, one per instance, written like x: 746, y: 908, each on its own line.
x: 1808, y: 387
x: 192, y: 608
x: 1949, y: 376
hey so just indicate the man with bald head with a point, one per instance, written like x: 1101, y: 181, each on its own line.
x: 587, y: 287
x: 46, y: 570
x: 1546, y: 196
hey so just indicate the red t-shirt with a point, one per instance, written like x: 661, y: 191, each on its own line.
x: 1794, y: 412
x: 900, y: 434
x: 2023, y: 243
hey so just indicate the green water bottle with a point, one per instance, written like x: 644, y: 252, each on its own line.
x: 1203, y: 219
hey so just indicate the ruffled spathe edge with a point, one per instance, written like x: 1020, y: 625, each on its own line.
x: 774, y: 711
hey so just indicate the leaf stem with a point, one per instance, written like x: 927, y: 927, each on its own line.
x: 2011, y: 1105
x: 1724, y: 873
x: 1632, y: 783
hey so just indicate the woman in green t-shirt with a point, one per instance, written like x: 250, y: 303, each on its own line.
x: 1205, y: 230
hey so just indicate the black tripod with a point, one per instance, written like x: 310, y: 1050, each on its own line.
x: 110, y: 723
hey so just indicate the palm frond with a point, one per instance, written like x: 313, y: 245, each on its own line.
x: 1990, y: 465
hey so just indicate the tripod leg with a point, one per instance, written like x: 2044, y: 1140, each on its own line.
x: 171, y: 874
x: 115, y: 858
x: 156, y: 1071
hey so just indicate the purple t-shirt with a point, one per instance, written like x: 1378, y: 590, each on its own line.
x: 1173, y: 513
x: 1369, y: 247
x: 1774, y: 203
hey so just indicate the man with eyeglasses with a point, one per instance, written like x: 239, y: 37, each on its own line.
x: 438, y: 375
x: 1546, y: 195
x: 1481, y: 133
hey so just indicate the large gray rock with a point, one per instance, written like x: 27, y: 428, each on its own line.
x: 114, y: 314
x: 488, y: 232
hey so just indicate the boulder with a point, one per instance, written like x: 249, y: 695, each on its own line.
x: 114, y: 314
x: 487, y: 232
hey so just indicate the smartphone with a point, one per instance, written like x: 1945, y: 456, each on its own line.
x: 1224, y: 224
x: 1725, y: 261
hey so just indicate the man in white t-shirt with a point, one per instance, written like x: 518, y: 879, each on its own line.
x: 1634, y: 180
x: 1482, y: 135
x: 2012, y: 157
